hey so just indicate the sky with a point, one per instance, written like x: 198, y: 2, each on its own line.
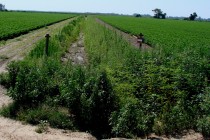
x: 172, y: 7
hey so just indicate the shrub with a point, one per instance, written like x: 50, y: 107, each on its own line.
x: 130, y: 120
x: 32, y: 83
x: 13, y: 69
x: 203, y: 123
x: 29, y: 83
x: 91, y: 100
x: 11, y: 110
x: 173, y: 120
x: 103, y: 103
x: 53, y: 115
x: 4, y: 79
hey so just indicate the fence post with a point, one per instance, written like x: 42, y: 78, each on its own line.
x: 47, y: 44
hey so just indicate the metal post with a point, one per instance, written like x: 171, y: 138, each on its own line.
x: 47, y: 44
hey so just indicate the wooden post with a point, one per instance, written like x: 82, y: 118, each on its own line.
x: 47, y: 44
x: 141, y: 37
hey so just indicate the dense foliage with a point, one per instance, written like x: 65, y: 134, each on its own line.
x: 17, y: 23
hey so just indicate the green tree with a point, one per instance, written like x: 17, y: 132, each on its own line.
x: 193, y: 16
x: 137, y: 15
x: 159, y: 13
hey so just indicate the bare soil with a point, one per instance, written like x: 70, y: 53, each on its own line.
x: 13, y: 130
x: 16, y: 49
x: 76, y: 52
x: 129, y: 38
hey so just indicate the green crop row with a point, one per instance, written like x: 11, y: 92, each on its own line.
x: 17, y: 23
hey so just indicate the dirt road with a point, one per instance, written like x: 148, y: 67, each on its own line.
x: 16, y: 49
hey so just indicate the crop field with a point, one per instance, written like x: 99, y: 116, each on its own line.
x: 17, y: 23
x: 121, y: 91
x: 165, y: 33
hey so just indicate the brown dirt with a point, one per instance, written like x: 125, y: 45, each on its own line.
x: 189, y: 135
x: 129, y: 38
x: 13, y: 130
x: 16, y: 49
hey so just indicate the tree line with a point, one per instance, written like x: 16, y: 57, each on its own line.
x: 159, y: 14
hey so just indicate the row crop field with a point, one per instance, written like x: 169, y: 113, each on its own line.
x: 122, y: 91
x: 16, y: 23
x: 164, y: 33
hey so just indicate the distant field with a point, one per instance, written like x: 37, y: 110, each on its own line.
x: 16, y: 23
x: 164, y: 33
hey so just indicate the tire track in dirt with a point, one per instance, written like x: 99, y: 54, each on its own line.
x: 16, y: 49
x: 129, y: 38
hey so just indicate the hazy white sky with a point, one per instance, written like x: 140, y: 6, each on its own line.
x: 171, y: 7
